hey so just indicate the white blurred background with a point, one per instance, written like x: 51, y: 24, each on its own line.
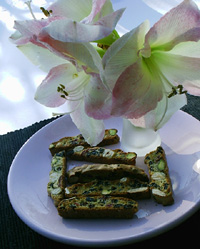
x: 19, y: 78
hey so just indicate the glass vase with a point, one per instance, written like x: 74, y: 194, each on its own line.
x: 139, y: 140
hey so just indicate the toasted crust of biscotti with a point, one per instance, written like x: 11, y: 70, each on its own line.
x: 102, y: 155
x: 160, y: 182
x: 68, y: 143
x: 90, y: 172
x: 56, y: 185
x: 124, y: 187
x: 97, y: 207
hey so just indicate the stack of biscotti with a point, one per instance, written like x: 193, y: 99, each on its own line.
x: 108, y: 188
x: 103, y: 205
x: 160, y: 182
x: 104, y: 182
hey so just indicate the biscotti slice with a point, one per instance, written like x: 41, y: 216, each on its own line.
x: 102, y: 155
x: 90, y: 172
x: 56, y: 185
x: 97, y: 207
x: 160, y: 182
x: 68, y: 143
x: 124, y: 187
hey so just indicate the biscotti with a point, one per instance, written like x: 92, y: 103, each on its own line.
x: 102, y: 155
x: 90, y: 172
x: 56, y: 185
x: 160, y: 182
x: 97, y: 207
x: 68, y: 143
x: 124, y: 187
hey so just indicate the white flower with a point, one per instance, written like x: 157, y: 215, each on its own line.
x: 61, y: 41
x: 147, y: 69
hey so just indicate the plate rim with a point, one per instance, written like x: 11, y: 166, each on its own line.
x: 87, y: 242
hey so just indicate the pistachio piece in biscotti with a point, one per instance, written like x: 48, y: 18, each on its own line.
x: 160, y: 182
x: 56, y: 184
x: 102, y: 155
x: 90, y: 172
x: 68, y: 143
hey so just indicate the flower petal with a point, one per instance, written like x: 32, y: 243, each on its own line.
x: 178, y: 25
x: 17, y: 38
x: 80, y: 54
x: 123, y: 53
x: 179, y: 69
x: 41, y: 57
x: 97, y: 98
x: 100, y: 8
x: 188, y: 49
x: 92, y: 130
x: 67, y: 75
x: 165, y: 109
x: 72, y: 9
x: 29, y: 30
x: 137, y: 91
x: 80, y: 32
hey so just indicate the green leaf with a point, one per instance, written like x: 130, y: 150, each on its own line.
x: 109, y: 40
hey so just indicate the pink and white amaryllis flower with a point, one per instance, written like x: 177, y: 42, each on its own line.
x: 148, y: 68
x: 62, y: 41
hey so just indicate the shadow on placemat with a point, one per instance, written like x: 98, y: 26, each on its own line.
x: 193, y: 106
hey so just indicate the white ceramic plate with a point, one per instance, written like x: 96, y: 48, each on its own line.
x: 29, y: 175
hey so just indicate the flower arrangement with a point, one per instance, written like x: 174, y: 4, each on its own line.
x: 141, y: 76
